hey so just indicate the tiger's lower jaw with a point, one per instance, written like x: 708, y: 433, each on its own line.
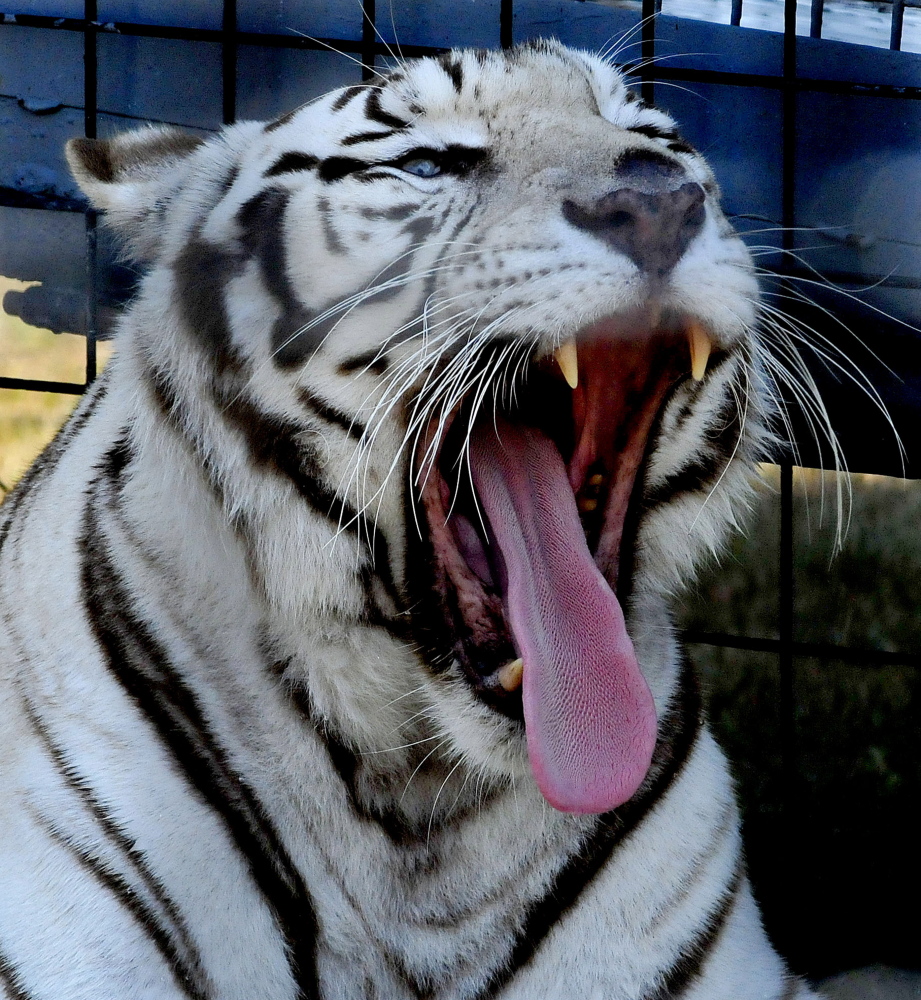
x: 532, y: 512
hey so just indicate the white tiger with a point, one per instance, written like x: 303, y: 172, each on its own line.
x: 336, y: 655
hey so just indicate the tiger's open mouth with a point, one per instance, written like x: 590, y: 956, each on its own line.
x: 529, y: 509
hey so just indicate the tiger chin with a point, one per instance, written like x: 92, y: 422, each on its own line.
x: 337, y: 659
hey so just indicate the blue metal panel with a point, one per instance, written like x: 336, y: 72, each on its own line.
x: 272, y: 81
x: 160, y: 79
x: 316, y: 18
x: 187, y: 13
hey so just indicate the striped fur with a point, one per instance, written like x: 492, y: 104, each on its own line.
x: 239, y: 758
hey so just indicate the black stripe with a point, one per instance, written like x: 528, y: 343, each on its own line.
x: 48, y: 459
x: 377, y: 114
x: 282, y: 120
x: 454, y: 70
x: 166, y: 400
x: 411, y: 330
x: 654, y: 132
x: 372, y: 361
x: 715, y: 362
x: 274, y: 446
x: 354, y: 428
x: 354, y: 140
x: 142, y: 666
x: 262, y: 220
x: 188, y: 968
x: 350, y: 769
x: 677, y: 736
x: 288, y: 163
x: 418, y: 229
x: 11, y: 982
x: 686, y: 969
x: 333, y: 240
x: 679, y: 146
x: 229, y: 180
x: 721, y: 439
x: 201, y: 271
x: 129, y: 900
x: 334, y: 168
x: 347, y: 95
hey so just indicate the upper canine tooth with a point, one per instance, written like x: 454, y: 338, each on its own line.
x: 700, y: 345
x: 568, y: 360
x: 510, y: 675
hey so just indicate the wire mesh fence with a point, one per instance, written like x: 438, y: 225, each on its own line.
x: 795, y: 126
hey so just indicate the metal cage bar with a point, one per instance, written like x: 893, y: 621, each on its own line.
x: 898, y: 17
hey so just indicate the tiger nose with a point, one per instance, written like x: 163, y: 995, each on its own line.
x: 653, y: 229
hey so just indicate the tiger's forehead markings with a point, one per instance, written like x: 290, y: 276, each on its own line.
x: 455, y: 71
x: 354, y: 140
x: 375, y: 110
x: 347, y: 95
x: 452, y: 86
x: 291, y: 162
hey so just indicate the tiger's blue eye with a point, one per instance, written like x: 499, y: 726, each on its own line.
x: 421, y: 167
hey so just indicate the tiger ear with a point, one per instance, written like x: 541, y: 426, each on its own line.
x: 131, y: 178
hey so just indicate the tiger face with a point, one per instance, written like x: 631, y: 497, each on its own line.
x: 467, y: 357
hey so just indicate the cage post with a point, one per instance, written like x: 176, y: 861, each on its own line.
x: 229, y: 62
x: 786, y: 594
x: 90, y: 121
x: 898, y: 16
x: 648, y: 50
x: 368, y: 38
x: 815, y: 18
x: 507, y: 23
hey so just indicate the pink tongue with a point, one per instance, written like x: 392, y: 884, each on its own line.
x: 589, y: 715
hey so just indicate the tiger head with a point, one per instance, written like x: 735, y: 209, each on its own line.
x: 467, y: 355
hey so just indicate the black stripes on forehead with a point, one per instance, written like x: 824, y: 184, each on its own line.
x: 333, y: 168
x: 377, y: 113
x: 360, y: 137
x: 292, y: 162
x: 347, y: 96
x: 454, y: 70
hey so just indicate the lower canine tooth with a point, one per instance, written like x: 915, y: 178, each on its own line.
x: 568, y: 360
x: 510, y: 675
x: 700, y: 345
